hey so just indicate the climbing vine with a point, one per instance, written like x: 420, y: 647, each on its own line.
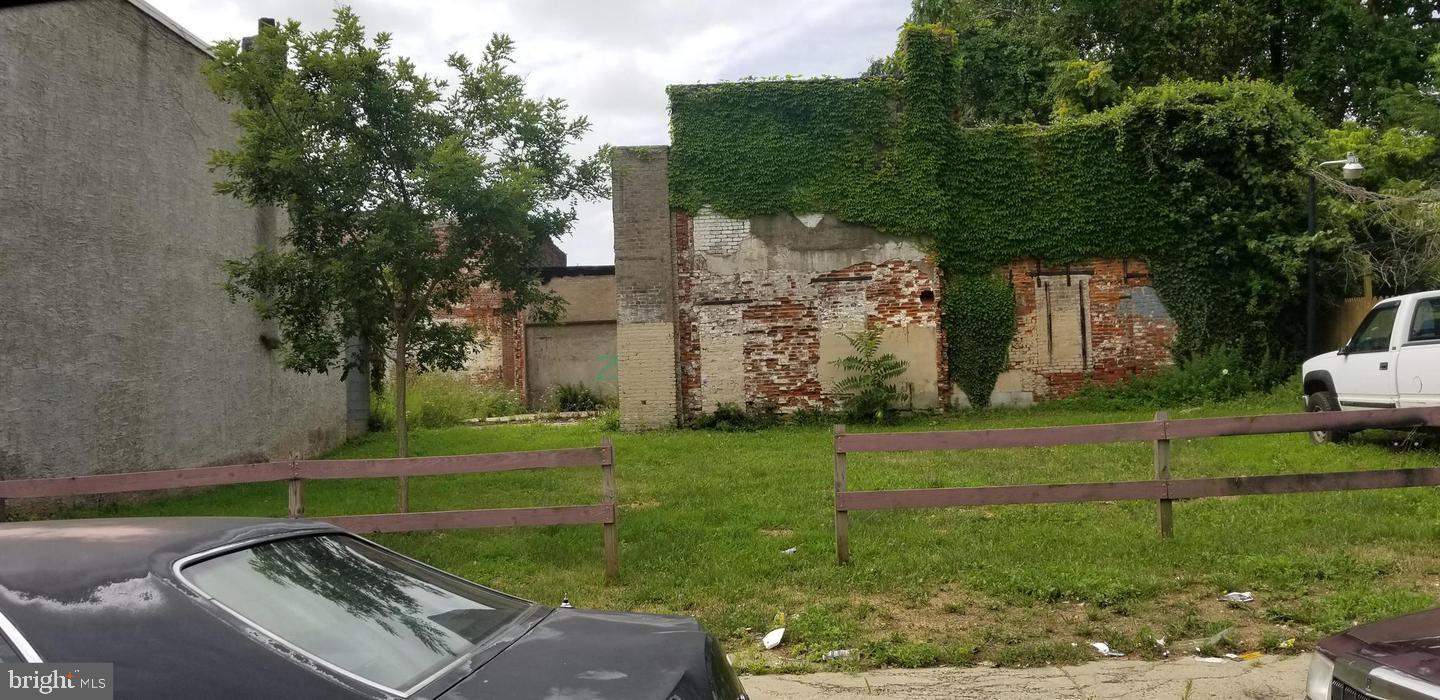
x: 1199, y: 179
x: 979, y: 315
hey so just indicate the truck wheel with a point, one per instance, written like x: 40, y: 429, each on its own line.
x: 1325, y: 401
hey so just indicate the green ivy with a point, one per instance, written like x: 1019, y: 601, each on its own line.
x: 978, y: 312
x: 1198, y: 179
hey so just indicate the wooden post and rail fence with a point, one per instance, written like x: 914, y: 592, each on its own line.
x: 297, y: 471
x: 1163, y: 489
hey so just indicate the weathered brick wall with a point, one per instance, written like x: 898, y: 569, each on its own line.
x: 502, y: 361
x: 1095, y: 320
x: 762, y: 303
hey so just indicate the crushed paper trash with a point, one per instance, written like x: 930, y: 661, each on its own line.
x: 773, y: 637
x: 791, y: 550
x: 1238, y: 597
x: 1105, y: 649
x: 838, y: 654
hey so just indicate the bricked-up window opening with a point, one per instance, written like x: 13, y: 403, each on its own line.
x: 927, y: 297
x: 1064, y: 302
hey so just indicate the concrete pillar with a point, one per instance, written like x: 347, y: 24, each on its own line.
x: 645, y: 287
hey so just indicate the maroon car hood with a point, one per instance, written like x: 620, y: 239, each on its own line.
x: 1410, y: 644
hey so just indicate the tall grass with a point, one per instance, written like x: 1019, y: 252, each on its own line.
x: 442, y: 400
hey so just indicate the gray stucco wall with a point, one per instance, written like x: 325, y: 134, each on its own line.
x: 118, y: 349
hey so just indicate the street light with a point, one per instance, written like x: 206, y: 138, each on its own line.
x: 1351, y: 170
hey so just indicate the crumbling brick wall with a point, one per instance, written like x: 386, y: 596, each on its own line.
x: 1096, y: 320
x: 762, y: 303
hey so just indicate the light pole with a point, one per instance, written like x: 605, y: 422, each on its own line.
x: 1350, y: 169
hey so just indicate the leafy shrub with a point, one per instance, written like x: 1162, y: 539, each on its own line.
x: 731, y: 417
x: 573, y: 397
x: 814, y: 416
x: 1221, y: 374
x: 610, y: 420
x: 866, y: 392
x: 440, y: 400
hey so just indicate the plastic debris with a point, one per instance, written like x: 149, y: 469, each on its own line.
x: 1105, y: 649
x: 1251, y: 655
x: 1232, y: 657
x: 838, y: 654
x: 791, y: 550
x: 1210, y: 659
x: 772, y: 638
x: 1238, y: 597
x: 1216, y: 639
x: 1288, y: 644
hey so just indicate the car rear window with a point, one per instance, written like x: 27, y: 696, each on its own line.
x: 7, y: 652
x: 1426, y: 324
x: 377, y: 616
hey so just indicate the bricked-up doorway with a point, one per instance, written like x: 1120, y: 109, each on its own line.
x: 1063, y: 305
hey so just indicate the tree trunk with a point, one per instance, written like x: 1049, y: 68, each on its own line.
x: 402, y: 427
x: 1277, y: 41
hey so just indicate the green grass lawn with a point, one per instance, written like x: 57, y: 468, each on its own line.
x: 704, y: 517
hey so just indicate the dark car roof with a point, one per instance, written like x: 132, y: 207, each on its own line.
x: 105, y: 590
x: 57, y: 555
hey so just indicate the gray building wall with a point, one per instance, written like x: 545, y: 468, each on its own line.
x: 580, y: 347
x: 644, y: 287
x: 118, y: 349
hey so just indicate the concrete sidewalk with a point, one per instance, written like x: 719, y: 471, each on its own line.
x: 1182, y: 679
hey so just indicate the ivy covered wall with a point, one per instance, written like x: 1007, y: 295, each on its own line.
x: 1199, y: 179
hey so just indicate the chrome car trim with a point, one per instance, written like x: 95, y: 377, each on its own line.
x: 11, y: 633
x: 246, y: 544
x: 1394, y: 681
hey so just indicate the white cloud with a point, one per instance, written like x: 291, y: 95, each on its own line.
x: 611, y: 59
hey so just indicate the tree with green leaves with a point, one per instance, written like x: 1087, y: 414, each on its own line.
x: 1343, y: 58
x: 403, y: 192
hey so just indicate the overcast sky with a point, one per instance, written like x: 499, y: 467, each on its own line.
x: 610, y: 59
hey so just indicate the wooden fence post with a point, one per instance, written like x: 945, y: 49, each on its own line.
x: 296, y: 489
x: 842, y: 517
x: 1162, y: 473
x: 612, y: 538
x: 297, y: 498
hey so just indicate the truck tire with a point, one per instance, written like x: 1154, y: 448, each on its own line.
x: 1325, y: 401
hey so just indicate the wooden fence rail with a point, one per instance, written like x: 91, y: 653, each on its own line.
x: 296, y: 472
x: 1163, y: 489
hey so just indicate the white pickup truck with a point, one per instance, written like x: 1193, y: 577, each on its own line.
x: 1392, y: 361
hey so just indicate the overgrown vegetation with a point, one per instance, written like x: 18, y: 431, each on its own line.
x: 868, y: 392
x: 1034, y: 585
x: 1201, y: 180
x: 574, y: 397
x: 1343, y: 59
x: 440, y: 400
x: 1221, y: 374
x: 730, y: 417
x: 978, y: 314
